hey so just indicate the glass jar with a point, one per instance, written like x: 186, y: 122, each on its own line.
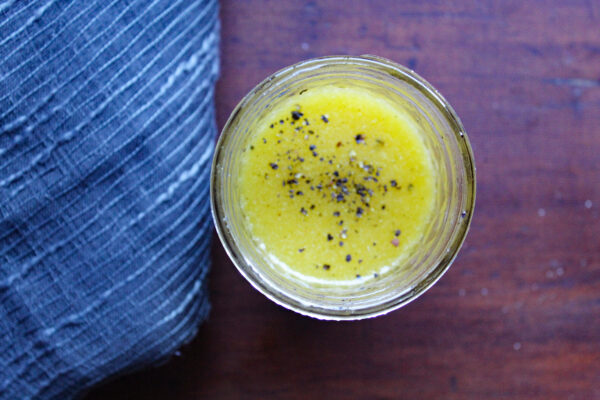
x: 445, y: 138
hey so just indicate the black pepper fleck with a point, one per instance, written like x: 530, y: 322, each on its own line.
x: 296, y: 115
x: 329, y: 236
x: 326, y: 267
x: 273, y: 165
x: 348, y: 258
x: 361, y: 190
x: 360, y: 138
x: 324, y: 118
x: 398, y: 232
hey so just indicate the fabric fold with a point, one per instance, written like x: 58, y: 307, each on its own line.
x: 107, y: 129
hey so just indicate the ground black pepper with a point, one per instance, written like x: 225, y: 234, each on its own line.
x: 351, y: 183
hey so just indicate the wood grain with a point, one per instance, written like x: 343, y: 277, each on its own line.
x: 518, y: 314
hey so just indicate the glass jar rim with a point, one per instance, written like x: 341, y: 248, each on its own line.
x: 396, y: 71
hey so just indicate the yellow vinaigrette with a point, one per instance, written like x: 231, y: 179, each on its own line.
x: 336, y: 184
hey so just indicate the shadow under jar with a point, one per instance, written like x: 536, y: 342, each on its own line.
x: 454, y: 188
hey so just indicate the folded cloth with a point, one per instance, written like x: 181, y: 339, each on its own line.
x: 106, y: 137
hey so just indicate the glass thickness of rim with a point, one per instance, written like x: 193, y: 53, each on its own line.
x: 442, y: 133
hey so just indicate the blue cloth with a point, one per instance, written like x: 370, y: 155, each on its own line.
x: 106, y: 137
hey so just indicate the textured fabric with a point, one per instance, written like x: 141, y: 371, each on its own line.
x: 106, y: 137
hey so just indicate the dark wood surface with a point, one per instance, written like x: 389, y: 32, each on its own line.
x: 518, y: 314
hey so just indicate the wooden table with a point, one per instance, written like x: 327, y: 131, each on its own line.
x: 518, y: 314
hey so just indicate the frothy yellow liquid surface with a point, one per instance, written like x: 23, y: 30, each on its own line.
x: 337, y: 185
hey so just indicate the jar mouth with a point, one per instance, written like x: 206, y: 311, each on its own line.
x: 282, y: 82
